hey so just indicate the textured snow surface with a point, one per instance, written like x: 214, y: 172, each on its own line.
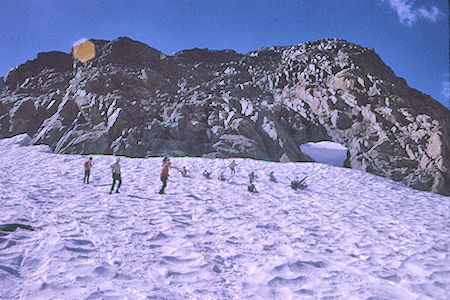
x: 349, y: 235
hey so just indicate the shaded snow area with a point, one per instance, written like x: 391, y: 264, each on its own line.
x: 349, y: 235
x: 326, y: 152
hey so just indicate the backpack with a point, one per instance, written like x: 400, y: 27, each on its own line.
x: 86, y: 165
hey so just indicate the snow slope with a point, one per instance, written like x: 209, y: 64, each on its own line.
x: 349, y: 235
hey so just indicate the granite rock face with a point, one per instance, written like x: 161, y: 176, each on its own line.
x: 133, y: 100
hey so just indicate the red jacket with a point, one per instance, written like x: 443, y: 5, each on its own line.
x: 165, y: 171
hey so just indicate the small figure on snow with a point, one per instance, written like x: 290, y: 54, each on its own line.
x: 298, y: 184
x: 87, y: 170
x: 184, y: 172
x: 207, y: 174
x: 116, y: 176
x: 251, y: 187
x: 221, y: 176
x: 272, y: 177
x: 164, y: 175
x: 252, y: 176
x: 232, y: 167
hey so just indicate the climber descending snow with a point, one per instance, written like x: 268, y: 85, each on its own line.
x: 116, y: 176
x: 232, y: 167
x: 87, y: 170
x: 164, y: 174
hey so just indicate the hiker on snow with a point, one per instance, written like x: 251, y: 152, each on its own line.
x: 116, y: 176
x: 87, y: 170
x: 252, y: 176
x: 164, y: 175
x: 232, y: 167
x: 272, y: 177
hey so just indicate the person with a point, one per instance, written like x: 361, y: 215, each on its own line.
x: 272, y: 177
x: 206, y: 174
x: 164, y: 175
x: 298, y: 184
x: 87, y: 170
x: 116, y: 176
x: 294, y: 184
x: 252, y: 176
x: 221, y: 176
x: 184, y: 172
x: 251, y: 187
x: 232, y: 167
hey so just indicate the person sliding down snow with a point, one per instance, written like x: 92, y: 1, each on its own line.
x: 232, y: 167
x: 87, y: 170
x: 207, y: 174
x: 164, y: 175
x: 298, y: 184
x: 116, y: 176
x: 184, y: 172
x: 222, y: 177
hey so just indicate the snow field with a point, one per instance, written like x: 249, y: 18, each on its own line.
x: 349, y: 235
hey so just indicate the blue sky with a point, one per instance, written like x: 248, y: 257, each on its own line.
x: 412, y: 37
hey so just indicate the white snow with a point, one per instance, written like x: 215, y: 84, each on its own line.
x: 247, y: 107
x: 326, y: 152
x: 230, y: 71
x: 349, y: 235
x: 51, y: 104
x: 113, y: 117
x: 81, y: 93
x: 269, y: 127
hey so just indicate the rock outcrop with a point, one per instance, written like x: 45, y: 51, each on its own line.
x: 134, y: 100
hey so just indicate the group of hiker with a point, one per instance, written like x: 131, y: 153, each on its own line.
x: 116, y: 176
x: 115, y: 168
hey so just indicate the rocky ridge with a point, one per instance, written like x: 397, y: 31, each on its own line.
x: 134, y: 100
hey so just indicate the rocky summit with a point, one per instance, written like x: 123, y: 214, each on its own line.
x: 134, y: 100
